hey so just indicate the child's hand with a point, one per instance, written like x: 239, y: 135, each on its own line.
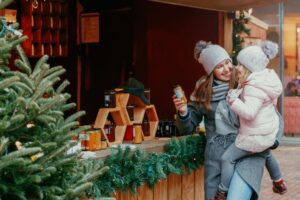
x: 275, y: 145
x: 180, y: 106
x: 232, y: 95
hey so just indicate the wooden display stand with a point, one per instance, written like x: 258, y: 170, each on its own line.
x: 121, y: 117
x: 118, y: 119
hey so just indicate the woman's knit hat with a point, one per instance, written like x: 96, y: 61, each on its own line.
x: 209, y: 55
x: 256, y: 58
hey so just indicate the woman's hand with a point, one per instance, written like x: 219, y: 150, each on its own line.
x: 180, y: 106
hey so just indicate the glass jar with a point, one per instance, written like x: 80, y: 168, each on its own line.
x: 110, y: 99
x: 130, y: 111
x: 146, y: 127
x: 179, y: 93
x: 147, y: 94
x: 137, y: 134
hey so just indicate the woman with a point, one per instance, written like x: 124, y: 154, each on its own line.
x: 255, y: 103
x: 209, y: 101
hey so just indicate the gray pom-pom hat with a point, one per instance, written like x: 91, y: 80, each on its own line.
x: 256, y: 57
x: 210, y: 55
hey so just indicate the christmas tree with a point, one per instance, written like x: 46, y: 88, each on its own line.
x: 35, y: 134
x: 240, y: 22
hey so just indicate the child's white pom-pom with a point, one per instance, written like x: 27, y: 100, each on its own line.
x: 269, y: 48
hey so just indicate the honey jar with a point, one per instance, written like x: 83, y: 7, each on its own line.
x: 94, y: 142
x: 137, y: 134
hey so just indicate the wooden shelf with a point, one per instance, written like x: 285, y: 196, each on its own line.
x: 121, y: 117
x: 118, y: 119
x: 46, y: 27
x: 153, y: 121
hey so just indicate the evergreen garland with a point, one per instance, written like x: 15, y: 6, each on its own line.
x: 129, y: 169
x: 239, y: 27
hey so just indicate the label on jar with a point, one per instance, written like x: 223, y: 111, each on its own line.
x: 106, y: 100
x: 178, y: 92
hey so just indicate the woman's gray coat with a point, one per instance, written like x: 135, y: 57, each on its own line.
x: 218, y: 139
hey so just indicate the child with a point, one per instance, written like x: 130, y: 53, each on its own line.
x: 255, y: 103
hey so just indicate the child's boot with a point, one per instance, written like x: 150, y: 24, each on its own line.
x: 221, y: 195
x: 279, y: 186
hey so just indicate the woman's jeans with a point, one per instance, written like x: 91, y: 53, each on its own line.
x: 239, y: 189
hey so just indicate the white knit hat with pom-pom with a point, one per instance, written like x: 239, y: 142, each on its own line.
x: 209, y: 55
x: 256, y: 58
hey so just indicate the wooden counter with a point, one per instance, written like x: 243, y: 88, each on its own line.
x: 175, y: 187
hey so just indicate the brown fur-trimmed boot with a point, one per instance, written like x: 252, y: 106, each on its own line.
x: 279, y: 186
x: 221, y: 195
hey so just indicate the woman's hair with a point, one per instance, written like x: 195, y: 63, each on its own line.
x: 204, y: 92
x: 241, y: 80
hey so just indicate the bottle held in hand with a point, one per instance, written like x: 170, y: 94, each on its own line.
x: 179, y: 93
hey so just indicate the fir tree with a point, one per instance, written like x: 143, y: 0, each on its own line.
x: 34, y: 131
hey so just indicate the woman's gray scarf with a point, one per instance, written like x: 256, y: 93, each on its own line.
x: 226, y: 120
x: 220, y: 90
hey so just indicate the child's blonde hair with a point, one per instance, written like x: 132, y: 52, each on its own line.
x: 241, y: 80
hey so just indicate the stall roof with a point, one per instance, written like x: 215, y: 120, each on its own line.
x: 221, y: 5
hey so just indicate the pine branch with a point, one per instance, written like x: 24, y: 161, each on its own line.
x: 75, y: 116
x: 5, y: 3
x: 25, y: 79
x: 67, y: 106
x: 23, y: 66
x: 18, y: 118
x: 92, y: 176
x: 40, y: 76
x: 8, y: 82
x: 55, y: 153
x: 38, y: 66
x: 3, y: 145
x: 81, y: 129
x: 45, y: 119
x: 16, y: 162
x: 55, y: 101
x: 78, y: 190
x: 21, y: 153
x: 24, y: 58
x: 62, y: 86
x: 22, y: 88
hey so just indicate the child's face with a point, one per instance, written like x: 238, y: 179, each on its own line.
x: 241, y: 73
x: 223, y: 71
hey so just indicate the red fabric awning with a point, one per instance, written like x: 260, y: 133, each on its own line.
x: 221, y: 5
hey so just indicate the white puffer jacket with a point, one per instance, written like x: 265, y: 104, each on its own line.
x: 256, y: 109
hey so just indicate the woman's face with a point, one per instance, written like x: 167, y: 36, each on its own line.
x: 223, y: 71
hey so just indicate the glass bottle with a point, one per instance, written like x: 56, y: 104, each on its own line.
x: 179, y: 93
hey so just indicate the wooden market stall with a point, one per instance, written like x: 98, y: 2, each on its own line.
x: 180, y: 187
x: 144, y: 33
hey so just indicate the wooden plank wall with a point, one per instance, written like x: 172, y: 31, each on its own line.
x: 175, y: 187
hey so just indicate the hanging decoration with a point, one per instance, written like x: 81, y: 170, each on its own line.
x: 240, y: 22
x: 34, y: 3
